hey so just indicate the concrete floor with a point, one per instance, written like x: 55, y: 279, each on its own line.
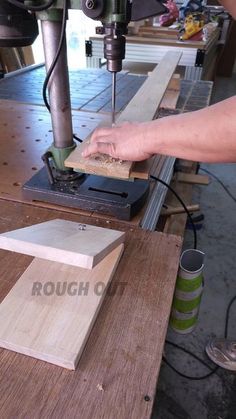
x: 213, y: 398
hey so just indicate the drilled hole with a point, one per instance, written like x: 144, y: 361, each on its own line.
x: 16, y: 184
x: 37, y: 140
x: 5, y: 163
x: 27, y: 127
x: 22, y: 151
x: 34, y: 168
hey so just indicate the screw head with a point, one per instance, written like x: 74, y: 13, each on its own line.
x: 90, y: 4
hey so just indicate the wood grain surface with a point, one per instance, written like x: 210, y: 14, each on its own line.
x: 50, y: 311
x: 81, y: 245
x: 121, y: 361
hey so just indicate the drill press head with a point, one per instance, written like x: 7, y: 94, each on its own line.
x: 115, y: 16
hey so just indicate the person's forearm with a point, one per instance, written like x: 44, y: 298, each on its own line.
x: 208, y: 135
x: 230, y: 5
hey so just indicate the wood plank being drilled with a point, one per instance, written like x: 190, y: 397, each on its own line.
x: 143, y: 107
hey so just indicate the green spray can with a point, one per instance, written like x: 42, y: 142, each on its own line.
x: 188, y: 291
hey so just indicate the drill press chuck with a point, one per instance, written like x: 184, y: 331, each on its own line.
x: 114, y: 51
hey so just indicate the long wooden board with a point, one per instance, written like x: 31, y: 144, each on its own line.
x: 63, y: 241
x: 50, y: 311
x: 142, y: 108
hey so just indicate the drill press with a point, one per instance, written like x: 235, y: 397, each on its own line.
x: 55, y: 183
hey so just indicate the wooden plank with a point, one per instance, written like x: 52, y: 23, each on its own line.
x: 10, y: 59
x: 170, y: 210
x: 38, y: 319
x: 143, y: 169
x: 144, y: 40
x: 63, y: 241
x: 28, y: 55
x: 170, y: 99
x: 142, y: 108
x: 171, y: 96
x: 124, y: 350
x: 193, y: 179
x: 175, y: 82
x: 158, y: 31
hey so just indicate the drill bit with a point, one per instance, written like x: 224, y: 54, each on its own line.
x: 113, y: 98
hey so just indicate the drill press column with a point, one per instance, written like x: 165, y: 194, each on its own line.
x: 59, y: 93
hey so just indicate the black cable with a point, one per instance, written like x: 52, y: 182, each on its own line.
x: 183, y: 205
x: 220, y: 182
x: 39, y: 8
x: 77, y: 138
x: 189, y: 377
x: 213, y: 370
x: 227, y: 316
x: 55, y: 60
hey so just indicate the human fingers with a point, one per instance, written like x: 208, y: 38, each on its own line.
x: 98, y: 147
x: 100, y: 133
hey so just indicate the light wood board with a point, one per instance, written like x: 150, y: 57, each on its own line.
x: 143, y: 107
x: 192, y: 178
x: 172, y: 93
x: 63, y: 241
x: 36, y: 320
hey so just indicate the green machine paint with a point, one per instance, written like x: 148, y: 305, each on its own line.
x: 188, y: 292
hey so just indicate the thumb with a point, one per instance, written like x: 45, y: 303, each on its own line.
x: 103, y: 148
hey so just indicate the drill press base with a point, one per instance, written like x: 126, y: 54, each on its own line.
x: 121, y: 199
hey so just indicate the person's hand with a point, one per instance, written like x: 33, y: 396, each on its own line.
x: 125, y: 142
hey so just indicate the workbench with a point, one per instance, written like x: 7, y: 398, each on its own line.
x: 118, y: 372
x: 198, y: 57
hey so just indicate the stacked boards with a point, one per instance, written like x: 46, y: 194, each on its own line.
x: 51, y: 310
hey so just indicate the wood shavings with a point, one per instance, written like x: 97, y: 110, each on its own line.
x: 100, y: 387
